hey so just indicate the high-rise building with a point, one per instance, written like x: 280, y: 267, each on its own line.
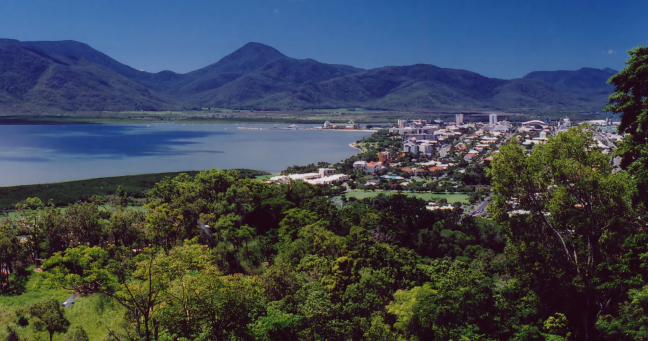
x: 460, y: 119
x: 384, y: 157
x: 492, y: 119
x: 402, y: 123
x: 425, y: 148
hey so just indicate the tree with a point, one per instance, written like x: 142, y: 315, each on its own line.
x: 566, y: 214
x: 76, y: 333
x: 630, y: 99
x: 121, y: 197
x: 632, y: 320
x: 126, y: 228
x: 9, y: 254
x: 458, y: 304
x: 12, y: 334
x: 48, y: 315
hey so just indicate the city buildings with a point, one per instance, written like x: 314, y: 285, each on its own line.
x: 360, y: 165
x: 492, y: 119
x: 323, y: 176
x: 373, y: 167
x: 368, y: 167
x: 384, y: 157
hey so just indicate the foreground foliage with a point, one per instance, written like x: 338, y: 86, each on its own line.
x: 218, y: 256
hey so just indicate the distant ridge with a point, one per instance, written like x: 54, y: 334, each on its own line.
x: 585, y: 81
x: 72, y: 76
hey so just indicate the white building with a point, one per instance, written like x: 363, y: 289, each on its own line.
x: 410, y: 147
x: 459, y: 119
x: 374, y: 167
x: 326, y: 171
x: 492, y: 119
x: 360, y: 165
x: 327, y: 180
x: 425, y: 148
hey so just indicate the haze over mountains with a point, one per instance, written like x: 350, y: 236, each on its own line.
x: 72, y: 76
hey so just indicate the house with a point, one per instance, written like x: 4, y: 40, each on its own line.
x: 373, y: 167
x: 470, y: 155
x: 392, y: 177
x: 360, y: 165
x: 414, y: 171
x: 384, y: 156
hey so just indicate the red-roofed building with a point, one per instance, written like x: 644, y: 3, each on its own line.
x: 384, y: 156
x: 374, y: 167
x: 469, y: 156
x: 412, y: 170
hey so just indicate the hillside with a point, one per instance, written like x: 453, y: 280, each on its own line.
x: 34, y: 80
x: 72, y: 76
x: 585, y: 83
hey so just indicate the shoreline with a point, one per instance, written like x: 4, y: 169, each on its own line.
x: 352, y: 145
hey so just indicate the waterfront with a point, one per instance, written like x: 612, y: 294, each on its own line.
x: 33, y: 154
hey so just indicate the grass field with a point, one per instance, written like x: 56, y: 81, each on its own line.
x: 64, y: 193
x: 264, y: 177
x: 94, y: 313
x: 450, y: 197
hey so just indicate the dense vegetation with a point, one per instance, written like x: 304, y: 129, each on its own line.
x: 217, y: 256
x: 220, y: 257
x: 64, y: 193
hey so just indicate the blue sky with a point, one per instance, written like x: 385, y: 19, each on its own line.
x: 504, y: 39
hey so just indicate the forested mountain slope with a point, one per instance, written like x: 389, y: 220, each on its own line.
x: 72, y: 76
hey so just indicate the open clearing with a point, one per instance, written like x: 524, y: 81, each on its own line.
x: 450, y: 197
x: 95, y: 313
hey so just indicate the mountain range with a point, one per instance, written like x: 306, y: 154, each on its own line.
x: 37, y: 76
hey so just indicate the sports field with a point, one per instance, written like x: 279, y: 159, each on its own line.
x: 450, y: 197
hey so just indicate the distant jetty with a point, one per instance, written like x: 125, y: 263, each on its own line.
x: 302, y: 128
x: 276, y: 128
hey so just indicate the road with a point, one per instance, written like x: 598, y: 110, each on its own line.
x: 481, y: 208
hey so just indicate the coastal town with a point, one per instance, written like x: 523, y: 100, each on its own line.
x: 441, y: 159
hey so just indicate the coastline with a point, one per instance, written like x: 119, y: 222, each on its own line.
x: 353, y: 145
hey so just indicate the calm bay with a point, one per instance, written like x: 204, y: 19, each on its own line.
x: 33, y: 154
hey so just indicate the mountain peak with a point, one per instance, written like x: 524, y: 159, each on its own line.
x: 247, y: 58
x: 253, y: 50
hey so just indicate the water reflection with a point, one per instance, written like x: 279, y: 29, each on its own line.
x: 99, y: 141
x: 40, y: 154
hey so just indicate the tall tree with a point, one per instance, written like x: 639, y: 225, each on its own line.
x: 630, y: 99
x: 567, y: 215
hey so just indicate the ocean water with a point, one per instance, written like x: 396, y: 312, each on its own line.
x: 33, y: 154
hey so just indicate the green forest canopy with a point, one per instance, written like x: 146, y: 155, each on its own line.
x: 217, y: 256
